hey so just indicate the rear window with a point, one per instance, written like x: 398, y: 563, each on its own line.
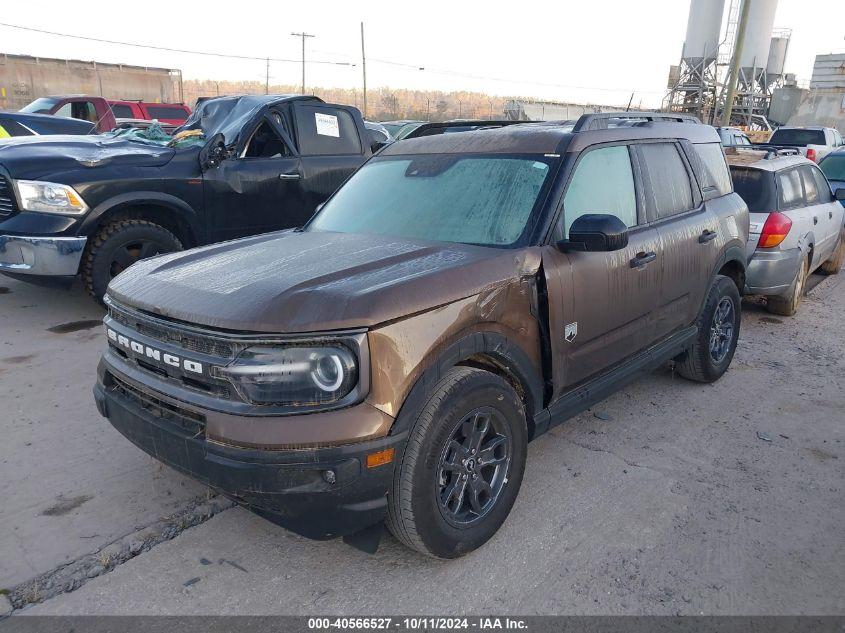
x: 797, y: 137
x: 164, y: 112
x: 715, y: 170
x: 122, y: 111
x: 756, y: 187
x: 834, y: 167
x: 325, y: 131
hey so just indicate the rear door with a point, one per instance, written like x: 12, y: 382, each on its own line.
x: 688, y: 231
x: 260, y: 190
x: 827, y: 213
x: 791, y: 203
x: 602, y: 304
x: 330, y: 146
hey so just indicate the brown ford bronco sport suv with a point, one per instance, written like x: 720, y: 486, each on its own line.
x: 457, y: 297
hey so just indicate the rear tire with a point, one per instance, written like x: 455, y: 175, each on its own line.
x: 446, y: 500
x: 118, y: 245
x: 787, y: 305
x: 833, y: 264
x: 718, y: 331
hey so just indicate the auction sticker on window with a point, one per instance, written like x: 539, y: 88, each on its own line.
x: 327, y: 124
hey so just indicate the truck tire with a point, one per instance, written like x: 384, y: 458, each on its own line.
x: 718, y: 331
x: 118, y: 245
x: 787, y: 305
x: 462, y: 466
x: 833, y: 264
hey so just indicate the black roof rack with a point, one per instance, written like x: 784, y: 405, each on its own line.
x: 782, y: 151
x: 599, y: 120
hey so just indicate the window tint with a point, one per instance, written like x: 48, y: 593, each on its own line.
x: 714, y: 170
x: 756, y: 187
x: 797, y: 136
x: 164, y: 112
x: 265, y: 143
x: 603, y: 182
x: 833, y: 166
x: 822, y: 185
x: 811, y: 192
x: 122, y: 111
x: 669, y: 178
x: 326, y: 131
x: 65, y: 111
x: 789, y: 189
x: 12, y: 128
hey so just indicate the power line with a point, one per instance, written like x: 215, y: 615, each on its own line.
x: 168, y: 49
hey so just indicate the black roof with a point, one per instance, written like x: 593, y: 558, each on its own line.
x: 552, y: 137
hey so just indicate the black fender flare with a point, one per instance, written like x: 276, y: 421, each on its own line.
x: 179, y: 207
x: 733, y: 253
x: 493, y: 344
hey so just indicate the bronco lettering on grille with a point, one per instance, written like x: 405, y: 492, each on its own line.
x: 154, y: 354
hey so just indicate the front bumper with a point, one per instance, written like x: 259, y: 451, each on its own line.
x: 44, y: 256
x: 771, y: 273
x: 292, y: 488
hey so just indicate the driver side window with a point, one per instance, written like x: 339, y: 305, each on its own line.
x: 266, y: 143
x: 603, y: 182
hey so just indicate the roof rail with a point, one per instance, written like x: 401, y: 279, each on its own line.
x: 783, y: 151
x: 599, y: 120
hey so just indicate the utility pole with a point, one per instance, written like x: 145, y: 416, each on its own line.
x: 267, y: 78
x: 303, y: 35
x: 364, y: 66
x: 734, y: 69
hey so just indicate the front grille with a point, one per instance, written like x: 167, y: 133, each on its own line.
x: 8, y: 206
x: 187, y: 420
x: 172, y: 334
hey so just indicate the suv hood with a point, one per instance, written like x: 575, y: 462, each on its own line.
x: 37, y: 156
x: 295, y: 282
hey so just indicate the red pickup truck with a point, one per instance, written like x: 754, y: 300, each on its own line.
x: 103, y: 113
x: 174, y: 113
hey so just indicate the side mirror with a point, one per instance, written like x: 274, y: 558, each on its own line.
x: 596, y: 232
x: 839, y: 194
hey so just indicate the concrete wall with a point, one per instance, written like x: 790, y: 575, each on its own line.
x: 24, y: 78
x: 821, y: 107
x: 784, y: 103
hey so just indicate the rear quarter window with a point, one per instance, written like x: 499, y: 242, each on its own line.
x: 324, y: 131
x: 713, y: 169
x: 790, y: 193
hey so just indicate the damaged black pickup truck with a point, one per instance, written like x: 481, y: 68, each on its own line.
x: 94, y: 205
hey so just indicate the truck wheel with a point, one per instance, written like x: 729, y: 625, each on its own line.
x: 718, y: 331
x: 117, y: 246
x: 462, y: 466
x: 833, y: 264
x: 788, y: 304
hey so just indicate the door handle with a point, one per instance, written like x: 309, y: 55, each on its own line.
x: 289, y: 176
x: 707, y: 236
x: 830, y: 215
x: 815, y: 219
x: 642, y: 259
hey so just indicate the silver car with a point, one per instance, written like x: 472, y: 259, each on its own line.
x: 796, y: 225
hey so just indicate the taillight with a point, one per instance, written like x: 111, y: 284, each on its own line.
x: 811, y: 154
x: 775, y: 230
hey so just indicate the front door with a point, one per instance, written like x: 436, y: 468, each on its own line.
x: 824, y: 210
x: 602, y: 303
x: 258, y: 191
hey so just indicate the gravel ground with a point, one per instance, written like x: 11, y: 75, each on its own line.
x: 669, y: 497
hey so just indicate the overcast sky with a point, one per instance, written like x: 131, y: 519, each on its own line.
x: 598, y: 51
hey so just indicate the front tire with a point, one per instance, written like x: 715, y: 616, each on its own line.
x: 118, y: 245
x: 462, y: 467
x: 718, y: 332
x: 833, y: 264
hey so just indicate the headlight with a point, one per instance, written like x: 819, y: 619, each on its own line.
x: 293, y: 376
x: 50, y: 197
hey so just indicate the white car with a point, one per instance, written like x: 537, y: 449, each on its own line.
x: 796, y: 225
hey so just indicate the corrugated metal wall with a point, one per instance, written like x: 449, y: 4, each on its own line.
x: 24, y: 78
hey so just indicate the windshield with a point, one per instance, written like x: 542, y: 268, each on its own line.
x: 834, y: 167
x: 41, y: 105
x: 407, y: 129
x: 393, y: 127
x: 486, y: 200
x: 797, y: 137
